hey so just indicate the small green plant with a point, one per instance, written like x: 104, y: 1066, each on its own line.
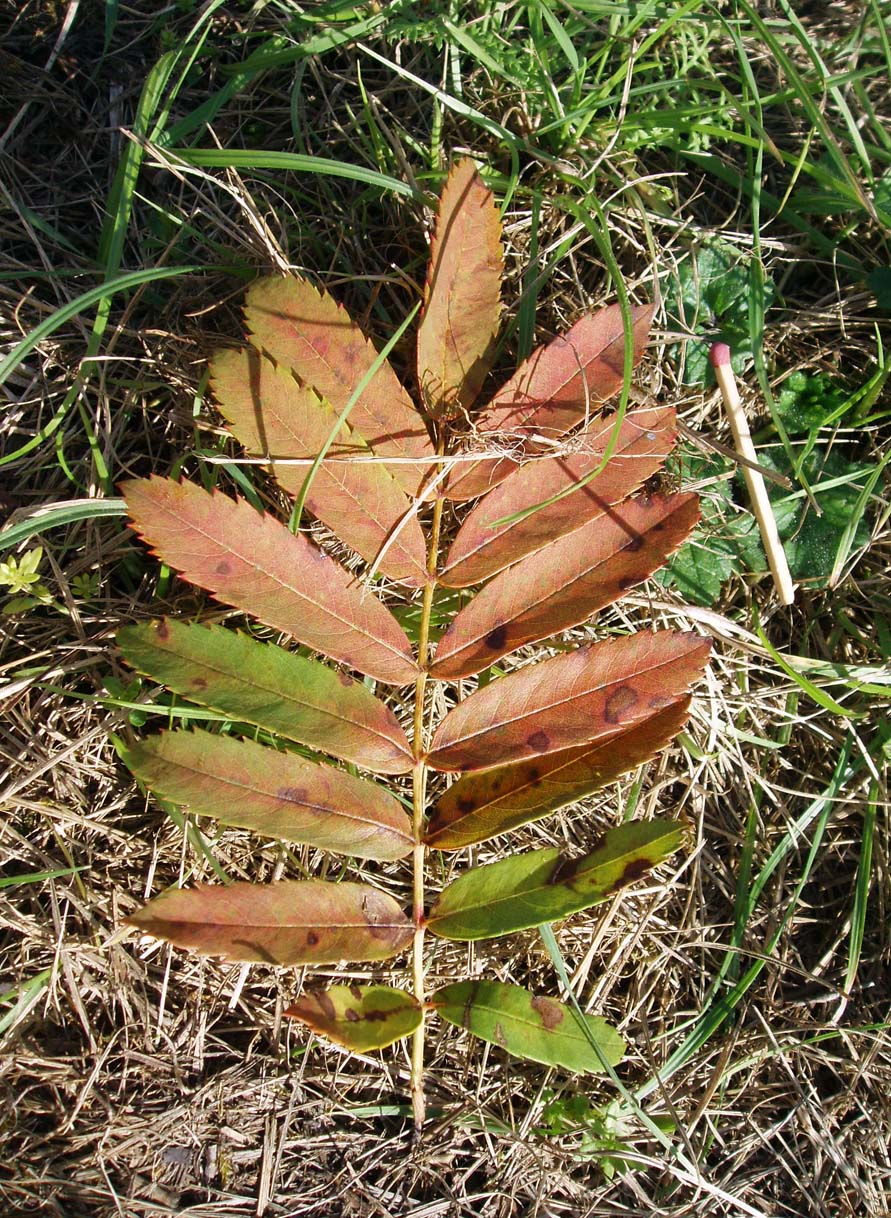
x: 553, y: 538
x: 818, y: 530
x: 21, y: 576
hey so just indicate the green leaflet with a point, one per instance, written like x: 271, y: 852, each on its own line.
x: 545, y: 886
x: 359, y: 1017
x: 529, y: 1025
x: 277, y: 794
x: 275, y: 689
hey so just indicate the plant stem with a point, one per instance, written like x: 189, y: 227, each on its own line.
x: 419, y: 809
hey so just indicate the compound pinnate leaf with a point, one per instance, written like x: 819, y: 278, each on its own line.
x: 544, y: 886
x: 483, y: 547
x: 482, y: 805
x: 280, y: 795
x: 462, y: 298
x: 253, y: 562
x: 283, y: 693
x: 528, y: 1025
x: 586, y: 695
x: 273, y: 414
x: 558, y: 386
x: 562, y: 584
x: 359, y: 1017
x: 306, y: 330
x: 292, y: 922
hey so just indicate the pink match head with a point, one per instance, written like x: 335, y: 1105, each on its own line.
x: 719, y: 355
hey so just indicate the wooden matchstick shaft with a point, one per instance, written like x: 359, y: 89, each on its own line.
x: 719, y: 355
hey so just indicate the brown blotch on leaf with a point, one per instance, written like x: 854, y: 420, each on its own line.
x: 635, y: 869
x: 292, y: 795
x: 496, y: 638
x: 564, y: 870
x: 223, y: 567
x: 629, y: 581
x: 356, y: 992
x: 162, y: 630
x: 198, y: 683
x: 539, y: 741
x: 635, y: 544
x: 312, y: 939
x: 351, y: 1016
x: 466, y: 804
x: 324, y: 1001
x: 619, y: 703
x: 548, y: 1011
x: 345, y: 679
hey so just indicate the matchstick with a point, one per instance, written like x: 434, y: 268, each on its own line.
x: 719, y: 356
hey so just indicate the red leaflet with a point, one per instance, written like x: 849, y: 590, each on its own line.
x: 558, y: 386
x: 306, y: 330
x: 255, y: 563
x: 294, y: 922
x: 562, y: 584
x: 482, y: 547
x: 455, y: 345
x: 479, y: 806
x: 586, y: 695
x: 361, y: 501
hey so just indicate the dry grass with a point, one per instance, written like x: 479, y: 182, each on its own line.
x: 139, y: 1081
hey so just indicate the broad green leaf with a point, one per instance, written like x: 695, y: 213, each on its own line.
x: 484, y: 547
x: 292, y: 922
x: 529, y: 1025
x: 306, y: 330
x: 359, y: 1017
x: 480, y: 806
x: 562, y: 584
x: 586, y: 695
x: 250, y: 786
x: 253, y: 562
x: 545, y: 886
x: 462, y: 297
x: 560, y: 384
x: 283, y: 693
x: 272, y: 414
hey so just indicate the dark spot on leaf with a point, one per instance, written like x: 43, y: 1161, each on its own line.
x: 549, y: 1012
x: 345, y: 679
x: 324, y: 1001
x: 635, y: 869
x: 292, y: 795
x: 466, y: 804
x: 629, y: 581
x: 312, y: 939
x: 496, y: 638
x: 500, y: 1038
x: 657, y: 701
x: 375, y: 1016
x: 198, y: 683
x: 635, y: 544
x: 564, y: 870
x: 533, y: 776
x: 619, y: 702
x: 356, y: 992
x: 351, y: 1016
x: 162, y: 630
x: 539, y: 741
x: 223, y: 567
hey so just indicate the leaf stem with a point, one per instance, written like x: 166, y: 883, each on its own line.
x: 419, y: 808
